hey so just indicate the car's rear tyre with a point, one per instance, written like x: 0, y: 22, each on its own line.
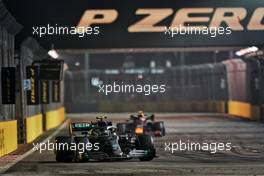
x: 159, y: 126
x: 149, y: 127
x: 145, y: 142
x: 63, y: 152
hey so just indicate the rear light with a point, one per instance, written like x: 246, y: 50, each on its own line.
x: 139, y: 130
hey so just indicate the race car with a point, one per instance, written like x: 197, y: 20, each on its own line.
x: 99, y: 141
x: 142, y: 124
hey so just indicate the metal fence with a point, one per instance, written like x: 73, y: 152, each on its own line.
x: 235, y: 79
x: 201, y: 82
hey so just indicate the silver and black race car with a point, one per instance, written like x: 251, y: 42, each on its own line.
x: 99, y: 141
x: 142, y: 124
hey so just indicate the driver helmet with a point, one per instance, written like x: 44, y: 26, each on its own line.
x: 141, y: 114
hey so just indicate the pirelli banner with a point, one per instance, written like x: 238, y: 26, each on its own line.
x: 44, y: 92
x: 88, y: 24
x: 8, y: 83
x: 33, y: 94
x: 56, y: 91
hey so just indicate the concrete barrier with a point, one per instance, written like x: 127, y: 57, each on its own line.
x: 54, y: 118
x: 164, y: 106
x: 8, y: 137
x: 240, y: 109
x: 34, y: 127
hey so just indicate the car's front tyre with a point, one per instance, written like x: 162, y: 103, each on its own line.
x: 145, y: 142
x: 63, y: 152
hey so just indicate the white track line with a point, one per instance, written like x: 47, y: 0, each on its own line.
x: 3, y: 169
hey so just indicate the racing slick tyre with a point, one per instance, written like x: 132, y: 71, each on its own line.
x: 63, y: 152
x: 159, y: 129
x: 145, y: 142
x: 149, y: 127
x: 82, y: 155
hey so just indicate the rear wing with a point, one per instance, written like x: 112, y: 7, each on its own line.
x: 148, y: 117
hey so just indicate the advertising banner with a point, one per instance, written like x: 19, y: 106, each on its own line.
x: 8, y: 85
x: 33, y: 97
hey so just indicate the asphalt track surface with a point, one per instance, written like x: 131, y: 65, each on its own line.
x: 245, y: 158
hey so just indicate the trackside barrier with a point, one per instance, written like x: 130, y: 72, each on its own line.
x: 244, y: 110
x: 34, y: 127
x: 8, y: 137
x: 240, y: 109
x: 167, y: 106
x: 54, y: 118
x: 256, y: 111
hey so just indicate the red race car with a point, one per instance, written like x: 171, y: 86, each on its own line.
x: 142, y: 124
